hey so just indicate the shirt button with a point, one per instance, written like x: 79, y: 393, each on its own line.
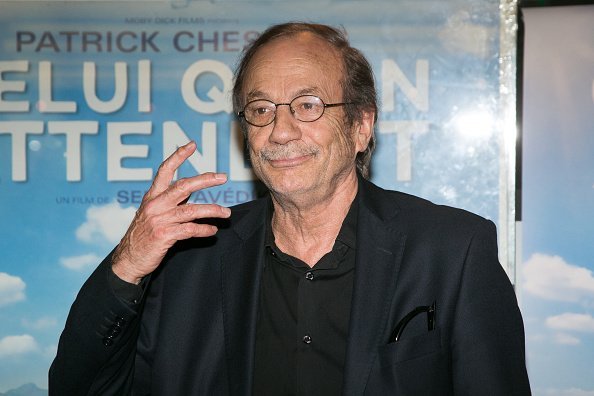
x: 309, y: 275
x: 307, y: 339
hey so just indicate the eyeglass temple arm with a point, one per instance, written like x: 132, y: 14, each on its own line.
x: 399, y: 329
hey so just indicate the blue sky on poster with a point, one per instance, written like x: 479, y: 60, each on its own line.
x: 558, y: 200
x: 55, y: 232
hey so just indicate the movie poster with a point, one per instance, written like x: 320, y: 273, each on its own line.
x: 94, y: 95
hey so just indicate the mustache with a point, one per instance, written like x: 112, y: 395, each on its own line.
x: 287, y: 151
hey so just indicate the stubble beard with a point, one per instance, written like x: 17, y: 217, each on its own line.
x: 287, y: 151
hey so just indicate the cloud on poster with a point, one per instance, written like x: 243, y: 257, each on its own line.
x: 572, y: 322
x: 106, y: 223
x: 566, y: 339
x: 42, y: 323
x: 17, y: 345
x: 80, y: 263
x: 12, y: 289
x: 552, y: 278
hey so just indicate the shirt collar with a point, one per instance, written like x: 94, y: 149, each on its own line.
x: 346, y: 235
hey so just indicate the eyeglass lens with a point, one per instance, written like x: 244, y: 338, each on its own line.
x: 261, y: 112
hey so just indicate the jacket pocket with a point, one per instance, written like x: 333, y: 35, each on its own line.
x: 410, y: 348
x: 415, y: 366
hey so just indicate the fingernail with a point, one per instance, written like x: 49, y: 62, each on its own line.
x: 220, y: 176
x: 226, y: 211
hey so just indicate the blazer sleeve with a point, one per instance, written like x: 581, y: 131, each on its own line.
x: 97, y: 347
x: 488, y: 351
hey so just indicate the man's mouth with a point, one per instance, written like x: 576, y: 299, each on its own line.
x: 287, y: 156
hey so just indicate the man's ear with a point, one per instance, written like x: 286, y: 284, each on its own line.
x: 364, y: 130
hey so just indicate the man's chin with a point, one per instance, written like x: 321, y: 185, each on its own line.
x: 290, y: 187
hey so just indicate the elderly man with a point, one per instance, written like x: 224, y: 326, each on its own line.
x: 329, y: 285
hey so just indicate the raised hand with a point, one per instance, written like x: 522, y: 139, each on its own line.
x: 165, y: 217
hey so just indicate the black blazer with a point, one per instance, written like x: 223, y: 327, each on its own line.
x: 193, y: 331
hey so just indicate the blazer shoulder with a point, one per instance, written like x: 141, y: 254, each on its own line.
x: 419, y: 211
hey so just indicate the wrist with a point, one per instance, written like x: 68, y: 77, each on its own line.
x: 122, y: 271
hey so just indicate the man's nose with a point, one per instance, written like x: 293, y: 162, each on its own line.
x: 285, y: 126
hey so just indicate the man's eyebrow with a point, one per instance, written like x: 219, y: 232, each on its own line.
x: 257, y: 94
x: 309, y: 91
x: 254, y: 95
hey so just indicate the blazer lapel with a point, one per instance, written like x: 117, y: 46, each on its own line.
x: 241, y: 274
x: 380, y: 248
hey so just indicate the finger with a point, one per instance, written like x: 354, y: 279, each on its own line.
x: 180, y: 190
x: 163, y: 230
x: 168, y: 167
x: 178, y: 232
x: 194, y: 230
x: 191, y: 212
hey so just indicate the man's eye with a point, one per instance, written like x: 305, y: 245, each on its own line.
x: 307, y: 106
x: 261, y: 110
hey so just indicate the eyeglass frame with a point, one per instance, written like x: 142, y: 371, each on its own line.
x: 241, y: 113
x: 399, y: 329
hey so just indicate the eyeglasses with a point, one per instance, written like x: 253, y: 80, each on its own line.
x: 430, y: 309
x: 306, y: 108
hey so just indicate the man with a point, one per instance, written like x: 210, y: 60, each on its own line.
x: 327, y: 286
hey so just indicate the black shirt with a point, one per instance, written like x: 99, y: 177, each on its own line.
x: 303, y: 318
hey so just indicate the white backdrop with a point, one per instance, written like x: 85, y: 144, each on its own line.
x: 558, y: 199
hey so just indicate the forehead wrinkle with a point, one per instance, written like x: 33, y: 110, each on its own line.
x: 282, y: 83
x: 256, y: 94
x: 281, y: 70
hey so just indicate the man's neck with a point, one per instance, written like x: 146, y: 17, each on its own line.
x: 307, y: 230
